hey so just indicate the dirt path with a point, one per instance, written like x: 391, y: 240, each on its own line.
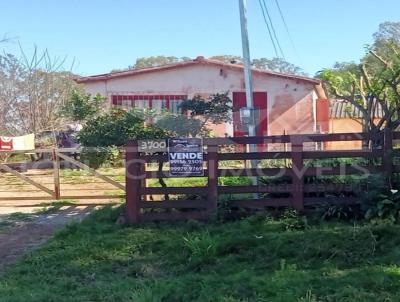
x: 24, y: 236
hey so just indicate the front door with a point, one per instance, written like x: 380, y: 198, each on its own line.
x: 260, y: 104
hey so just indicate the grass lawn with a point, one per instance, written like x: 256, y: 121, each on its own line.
x: 254, y: 259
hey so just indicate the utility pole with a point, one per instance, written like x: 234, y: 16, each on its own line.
x: 248, y: 79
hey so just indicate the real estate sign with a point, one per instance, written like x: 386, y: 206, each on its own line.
x: 185, y: 157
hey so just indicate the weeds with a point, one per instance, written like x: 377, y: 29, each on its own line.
x: 292, y: 220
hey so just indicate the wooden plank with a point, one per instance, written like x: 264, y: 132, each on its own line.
x: 253, y: 155
x: 173, y: 216
x: 173, y: 190
x: 341, y: 154
x: 92, y: 171
x: 230, y: 172
x: 332, y: 187
x: 20, y: 167
x: 388, y: 155
x: 42, y: 150
x: 56, y: 176
x: 255, y: 172
x: 178, y: 204
x: 279, y: 139
x: 133, y: 167
x: 343, y: 170
x: 261, y: 203
x: 116, y: 196
x: 26, y: 179
x: 212, y: 185
x: 16, y: 198
x: 314, y: 201
x: 298, y: 175
x: 282, y: 188
x: 247, y: 140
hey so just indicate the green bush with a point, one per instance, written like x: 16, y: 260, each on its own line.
x: 97, y: 157
x: 103, y: 134
x: 116, y: 128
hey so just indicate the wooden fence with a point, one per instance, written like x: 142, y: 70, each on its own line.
x: 304, y: 186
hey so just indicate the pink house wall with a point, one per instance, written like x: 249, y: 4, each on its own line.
x: 291, y: 102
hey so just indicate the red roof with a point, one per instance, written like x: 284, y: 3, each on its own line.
x: 197, y: 61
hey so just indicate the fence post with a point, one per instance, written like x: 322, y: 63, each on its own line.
x: 388, y: 154
x: 297, y: 174
x: 212, y: 190
x: 56, y: 174
x: 133, y: 182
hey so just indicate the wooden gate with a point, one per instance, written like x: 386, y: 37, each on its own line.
x: 41, y: 180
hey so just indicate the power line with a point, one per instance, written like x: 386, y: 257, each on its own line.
x: 287, y: 29
x: 273, y: 29
x: 269, y: 30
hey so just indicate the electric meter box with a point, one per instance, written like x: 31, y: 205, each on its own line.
x: 247, y: 115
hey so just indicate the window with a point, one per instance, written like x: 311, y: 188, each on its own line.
x: 126, y: 104
x: 141, y: 104
x: 155, y: 102
x: 174, y: 106
x: 159, y: 105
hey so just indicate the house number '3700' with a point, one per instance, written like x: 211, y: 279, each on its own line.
x: 152, y: 145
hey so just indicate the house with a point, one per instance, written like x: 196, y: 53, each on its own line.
x: 345, y: 117
x: 285, y: 103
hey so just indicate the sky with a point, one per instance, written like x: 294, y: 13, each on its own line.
x: 102, y: 35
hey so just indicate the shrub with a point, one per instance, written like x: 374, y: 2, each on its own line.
x: 112, y: 130
x: 386, y: 208
x: 379, y: 202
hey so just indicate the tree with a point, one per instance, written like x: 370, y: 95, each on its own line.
x: 274, y: 64
x: 365, y: 86
x: 217, y: 109
x: 387, y: 32
x: 277, y: 65
x: 83, y: 107
x: 386, y: 43
x: 230, y: 59
x: 32, y: 91
x: 155, y: 61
